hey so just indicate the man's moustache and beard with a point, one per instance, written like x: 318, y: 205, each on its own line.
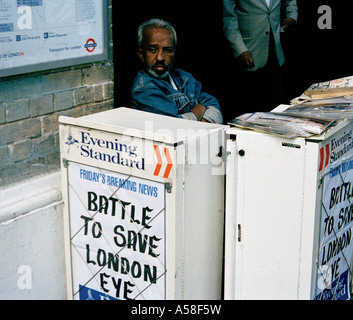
x: 159, y: 70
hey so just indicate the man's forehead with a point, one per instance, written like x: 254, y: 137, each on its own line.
x: 154, y: 34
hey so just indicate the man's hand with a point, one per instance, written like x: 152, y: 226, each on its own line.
x: 287, y: 23
x: 246, y: 60
x: 198, y: 111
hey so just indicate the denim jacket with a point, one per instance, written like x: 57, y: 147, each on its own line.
x: 159, y: 96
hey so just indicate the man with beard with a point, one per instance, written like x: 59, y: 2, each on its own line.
x: 160, y: 88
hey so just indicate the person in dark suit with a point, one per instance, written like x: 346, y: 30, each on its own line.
x: 253, y: 29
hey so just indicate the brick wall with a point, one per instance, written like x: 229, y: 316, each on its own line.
x: 29, y: 109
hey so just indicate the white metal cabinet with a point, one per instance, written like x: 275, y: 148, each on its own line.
x: 276, y: 225
x: 144, y: 200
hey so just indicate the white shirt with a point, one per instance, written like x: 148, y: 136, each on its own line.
x: 172, y: 82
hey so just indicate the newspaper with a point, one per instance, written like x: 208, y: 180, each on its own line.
x: 286, y: 125
x: 337, y: 83
x: 333, y: 108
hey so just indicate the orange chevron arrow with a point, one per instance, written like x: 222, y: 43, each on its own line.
x: 159, y: 161
x: 169, y: 165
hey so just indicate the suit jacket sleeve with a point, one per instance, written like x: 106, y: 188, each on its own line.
x: 231, y: 28
x: 291, y: 9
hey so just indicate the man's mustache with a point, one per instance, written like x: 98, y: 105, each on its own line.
x: 160, y: 64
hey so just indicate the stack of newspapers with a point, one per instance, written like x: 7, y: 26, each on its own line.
x: 321, y: 106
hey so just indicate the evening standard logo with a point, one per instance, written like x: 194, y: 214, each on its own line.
x: 335, y: 149
x: 90, y: 45
x: 341, y: 146
x: 111, y: 151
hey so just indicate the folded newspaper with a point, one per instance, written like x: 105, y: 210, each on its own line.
x: 332, y: 108
x: 286, y: 125
x: 334, y: 88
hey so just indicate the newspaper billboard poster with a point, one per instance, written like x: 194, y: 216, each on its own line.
x: 117, y: 231
x: 42, y: 34
x: 334, y: 274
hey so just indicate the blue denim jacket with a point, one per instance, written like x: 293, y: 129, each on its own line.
x: 158, y: 96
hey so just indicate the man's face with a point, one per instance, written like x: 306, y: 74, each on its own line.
x: 157, y: 52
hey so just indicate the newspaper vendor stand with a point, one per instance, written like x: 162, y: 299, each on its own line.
x: 144, y: 206
x: 289, y: 215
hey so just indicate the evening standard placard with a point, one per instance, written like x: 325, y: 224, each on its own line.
x: 334, y: 274
x: 40, y: 34
x: 117, y: 226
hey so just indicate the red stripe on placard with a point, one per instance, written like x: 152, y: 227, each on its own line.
x: 327, y: 155
x: 322, y: 158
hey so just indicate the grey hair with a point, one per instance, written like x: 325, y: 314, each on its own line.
x: 154, y: 23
